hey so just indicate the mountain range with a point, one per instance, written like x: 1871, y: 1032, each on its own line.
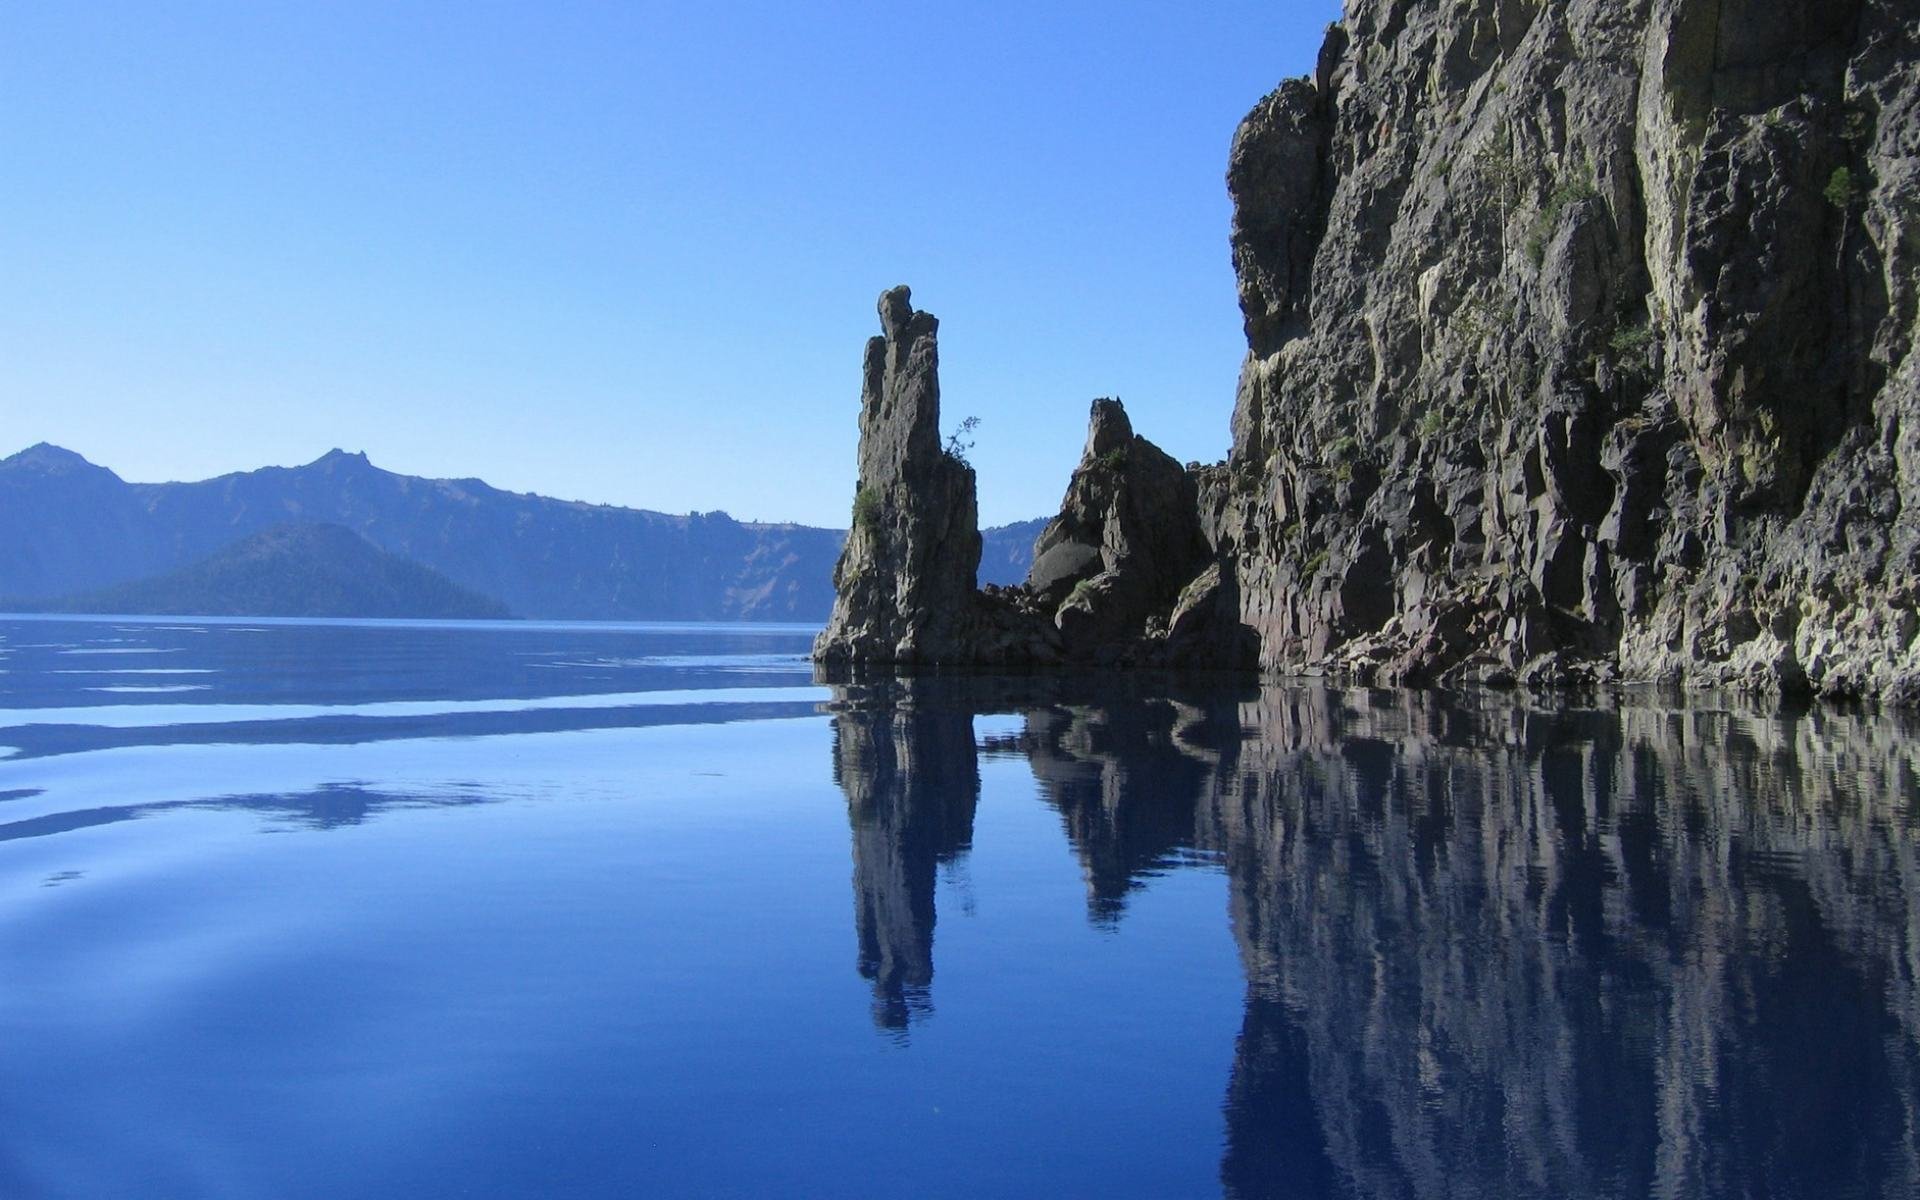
x: 72, y: 532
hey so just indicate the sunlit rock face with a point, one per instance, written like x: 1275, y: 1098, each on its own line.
x: 1490, y: 948
x: 1580, y: 346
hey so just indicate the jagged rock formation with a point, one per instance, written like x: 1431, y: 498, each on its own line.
x: 1127, y: 538
x: 1114, y: 575
x: 1579, y: 346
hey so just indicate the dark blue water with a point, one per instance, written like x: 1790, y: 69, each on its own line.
x: 323, y: 910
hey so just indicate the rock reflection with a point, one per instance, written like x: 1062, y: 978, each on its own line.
x: 1490, y: 949
x: 1127, y: 779
x: 333, y: 806
x: 912, y: 778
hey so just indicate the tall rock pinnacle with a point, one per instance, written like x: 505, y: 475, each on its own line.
x: 905, y: 582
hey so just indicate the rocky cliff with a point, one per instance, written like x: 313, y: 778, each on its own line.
x: 904, y: 584
x: 1579, y: 351
x: 1579, y: 346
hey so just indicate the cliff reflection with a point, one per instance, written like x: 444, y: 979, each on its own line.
x: 1489, y: 948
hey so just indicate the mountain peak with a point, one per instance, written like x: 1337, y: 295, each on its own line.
x: 348, y: 464
x: 45, y: 458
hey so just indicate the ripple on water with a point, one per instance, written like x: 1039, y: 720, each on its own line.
x: 731, y: 662
x: 121, y: 650
x: 132, y: 671
x: 140, y: 716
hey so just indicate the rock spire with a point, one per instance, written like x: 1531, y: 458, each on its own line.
x: 905, y: 581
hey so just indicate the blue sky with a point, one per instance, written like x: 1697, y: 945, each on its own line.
x: 618, y: 252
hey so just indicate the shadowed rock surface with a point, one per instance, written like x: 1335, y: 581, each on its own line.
x: 1127, y: 538
x: 904, y: 584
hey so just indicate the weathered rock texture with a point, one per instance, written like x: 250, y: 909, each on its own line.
x: 1120, y: 576
x: 1127, y: 538
x: 904, y: 582
x: 1580, y: 346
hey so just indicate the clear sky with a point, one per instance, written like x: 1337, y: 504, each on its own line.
x: 620, y: 252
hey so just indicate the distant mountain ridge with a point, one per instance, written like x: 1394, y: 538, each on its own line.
x: 297, y: 570
x: 71, y: 527
x: 1006, y: 552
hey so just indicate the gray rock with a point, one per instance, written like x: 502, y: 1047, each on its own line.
x: 1572, y: 354
x: 1107, y: 571
x: 1127, y: 539
x: 1579, y: 351
x: 905, y: 581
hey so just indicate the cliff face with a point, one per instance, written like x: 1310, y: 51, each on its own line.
x: 1579, y: 346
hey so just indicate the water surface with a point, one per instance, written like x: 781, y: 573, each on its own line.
x: 404, y: 909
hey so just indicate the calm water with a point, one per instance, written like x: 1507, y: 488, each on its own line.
x: 323, y: 910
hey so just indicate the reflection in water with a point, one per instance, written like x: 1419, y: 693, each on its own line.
x: 911, y: 780
x: 334, y: 806
x: 1489, y: 950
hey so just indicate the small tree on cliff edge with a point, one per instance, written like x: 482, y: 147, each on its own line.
x: 1843, y: 194
x: 961, y: 441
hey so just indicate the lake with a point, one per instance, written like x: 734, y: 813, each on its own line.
x: 390, y: 909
